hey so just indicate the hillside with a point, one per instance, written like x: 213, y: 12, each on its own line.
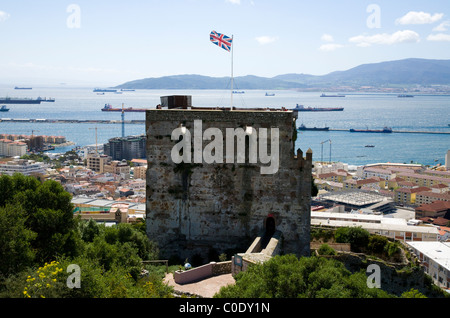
x: 206, y: 82
x: 402, y: 72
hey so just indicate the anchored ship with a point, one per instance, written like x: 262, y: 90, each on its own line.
x: 15, y: 100
x: 4, y: 109
x: 384, y: 130
x: 303, y: 127
x: 109, y: 108
x: 45, y: 99
x: 101, y: 90
x: 302, y: 108
x: 338, y: 95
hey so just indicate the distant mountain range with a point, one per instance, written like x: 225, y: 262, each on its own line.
x: 405, y: 72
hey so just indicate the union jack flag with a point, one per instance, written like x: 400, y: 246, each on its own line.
x: 221, y: 40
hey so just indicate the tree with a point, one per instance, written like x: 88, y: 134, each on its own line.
x: 16, y: 252
x: 413, y: 293
x: 47, y: 211
x: 290, y: 277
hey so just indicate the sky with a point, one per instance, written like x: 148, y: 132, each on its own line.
x: 109, y: 42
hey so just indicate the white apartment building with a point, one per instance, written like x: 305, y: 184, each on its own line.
x: 447, y: 160
x: 9, y: 148
x: 395, y: 228
x: 25, y: 167
x: 435, y: 257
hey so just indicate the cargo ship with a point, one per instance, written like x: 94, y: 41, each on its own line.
x: 338, y: 95
x: 22, y: 87
x: 101, y: 90
x: 384, y: 130
x: 303, y: 127
x: 404, y: 95
x: 15, y: 100
x: 301, y: 108
x: 109, y: 108
x: 45, y: 99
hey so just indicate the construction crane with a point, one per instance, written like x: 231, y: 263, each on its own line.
x: 96, y: 147
x: 328, y: 140
x: 123, y: 122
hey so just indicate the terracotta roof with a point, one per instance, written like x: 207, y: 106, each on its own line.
x: 363, y: 181
x: 440, y: 221
x: 406, y: 183
x: 440, y: 186
x: 413, y: 190
x: 444, y: 196
x: 434, y: 206
x: 327, y: 175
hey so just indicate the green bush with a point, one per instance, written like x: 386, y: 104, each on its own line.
x: 326, y: 249
x: 380, y: 245
x: 356, y: 236
x: 290, y: 277
x: 377, y: 243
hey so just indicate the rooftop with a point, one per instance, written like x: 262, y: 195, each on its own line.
x: 437, y: 251
x: 368, y: 222
x: 355, y: 197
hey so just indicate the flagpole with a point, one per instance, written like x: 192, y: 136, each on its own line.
x: 232, y: 45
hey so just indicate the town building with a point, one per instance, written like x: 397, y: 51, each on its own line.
x: 394, y: 228
x: 97, y: 162
x: 106, y: 211
x: 128, y: 148
x: 447, y: 160
x: 357, y: 199
x: 425, y: 197
x: 118, y: 167
x: 424, y: 180
x: 435, y: 258
x: 358, y: 184
x: 139, y: 172
x: 386, y: 171
x: 9, y: 148
x: 337, y: 176
x: 407, y: 196
x: 434, y: 209
x: 25, y: 167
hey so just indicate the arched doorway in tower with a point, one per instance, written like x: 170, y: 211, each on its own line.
x: 269, y: 230
x: 270, y: 225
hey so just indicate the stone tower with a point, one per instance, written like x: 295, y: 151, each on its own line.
x: 222, y: 194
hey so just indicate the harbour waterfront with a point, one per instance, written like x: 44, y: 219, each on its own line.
x: 426, y: 113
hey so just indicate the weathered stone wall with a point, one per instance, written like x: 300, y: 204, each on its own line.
x: 195, y: 207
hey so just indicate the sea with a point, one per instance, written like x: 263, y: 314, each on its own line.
x: 422, y: 113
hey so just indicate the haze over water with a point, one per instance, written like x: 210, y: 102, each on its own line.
x: 361, y: 111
